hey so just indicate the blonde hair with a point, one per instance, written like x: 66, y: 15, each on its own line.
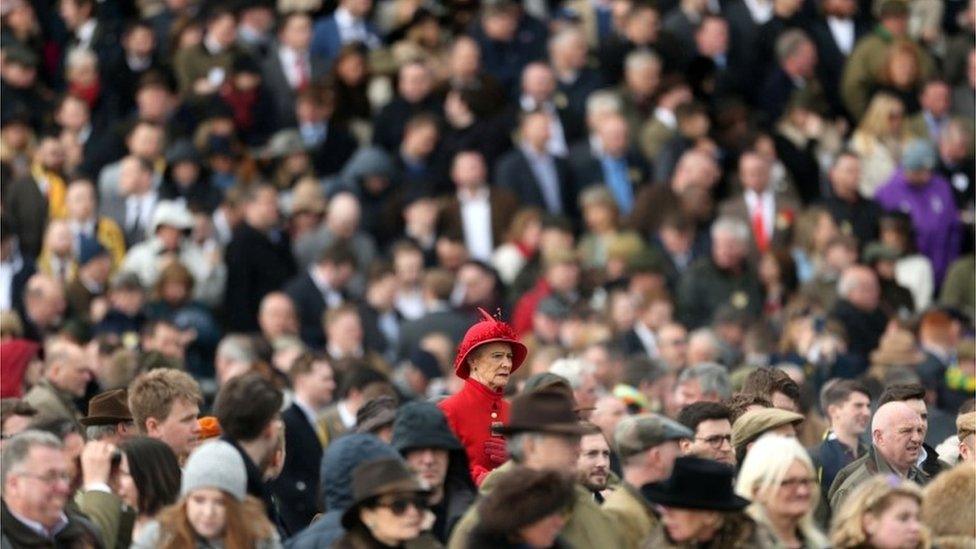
x: 876, y: 120
x: 873, y: 497
x: 765, y: 468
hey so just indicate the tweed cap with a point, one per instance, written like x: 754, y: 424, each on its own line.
x: 966, y: 424
x: 634, y: 434
x: 756, y: 422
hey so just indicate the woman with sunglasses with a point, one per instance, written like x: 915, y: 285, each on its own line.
x: 214, y: 510
x: 882, y: 513
x: 389, y: 508
x: 778, y: 477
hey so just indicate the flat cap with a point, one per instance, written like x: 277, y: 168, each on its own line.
x: 634, y: 434
x: 756, y: 422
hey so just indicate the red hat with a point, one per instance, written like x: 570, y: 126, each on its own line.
x: 488, y: 330
x: 15, y: 356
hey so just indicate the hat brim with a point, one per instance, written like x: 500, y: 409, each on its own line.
x: 351, y: 516
x: 552, y: 429
x: 519, y: 352
x: 658, y: 493
x: 102, y: 420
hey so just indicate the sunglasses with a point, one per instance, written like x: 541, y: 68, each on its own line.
x: 398, y: 505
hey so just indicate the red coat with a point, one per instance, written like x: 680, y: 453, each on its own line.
x: 526, y: 305
x: 470, y: 413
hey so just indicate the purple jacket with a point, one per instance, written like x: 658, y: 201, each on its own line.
x: 933, y: 213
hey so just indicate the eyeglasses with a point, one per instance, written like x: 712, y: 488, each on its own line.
x: 794, y: 483
x: 50, y: 477
x: 715, y: 441
x: 398, y: 505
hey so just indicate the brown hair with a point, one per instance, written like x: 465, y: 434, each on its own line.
x: 523, y: 218
x: 740, y: 402
x: 152, y: 394
x: 174, y: 272
x: 246, y: 525
x: 766, y: 381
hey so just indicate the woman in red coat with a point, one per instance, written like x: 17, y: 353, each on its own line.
x: 486, y: 358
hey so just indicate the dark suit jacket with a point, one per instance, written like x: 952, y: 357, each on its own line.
x: 256, y: 266
x: 310, y: 305
x: 514, y: 173
x: 587, y: 170
x: 830, y: 60
x: 297, y: 487
x: 786, y: 210
x: 281, y: 91
x: 503, y: 203
x: 26, y: 208
x: 333, y: 153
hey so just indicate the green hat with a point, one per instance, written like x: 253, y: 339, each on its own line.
x: 635, y: 434
x: 754, y: 423
x: 877, y: 251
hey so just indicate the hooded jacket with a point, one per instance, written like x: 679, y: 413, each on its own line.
x: 341, y: 457
x: 422, y: 425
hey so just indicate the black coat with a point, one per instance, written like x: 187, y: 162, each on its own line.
x: 863, y: 329
x: 331, y: 155
x: 514, y: 173
x: 296, y: 488
x: 310, y: 306
x: 858, y: 219
x: 830, y: 60
x: 587, y: 170
x: 390, y: 122
x: 256, y: 266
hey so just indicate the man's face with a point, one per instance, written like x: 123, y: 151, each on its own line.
x: 935, y: 98
x: 415, y: 83
x: 845, y: 175
x: 80, y: 200
x: 39, y: 487
x: 586, y: 394
x: 555, y: 452
x: 918, y: 405
x: 901, y: 444
x: 754, y: 173
x: 673, y: 345
x: 72, y: 374
x: 297, y: 33
x: 853, y: 416
x: 168, y: 341
x: 320, y: 383
x: 468, y: 171
x: 727, y: 250
x: 713, y: 440
x: 179, y: 430
x: 687, y: 392
x: 430, y: 465
x: 492, y: 364
x: 609, y: 411
x: 593, y: 466
x: 783, y: 402
x: 277, y: 318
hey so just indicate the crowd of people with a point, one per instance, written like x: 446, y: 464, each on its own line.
x: 424, y: 273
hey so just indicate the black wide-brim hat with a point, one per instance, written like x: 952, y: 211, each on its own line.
x: 697, y: 483
x: 376, y: 478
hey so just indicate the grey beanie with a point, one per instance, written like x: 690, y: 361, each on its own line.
x: 215, y: 464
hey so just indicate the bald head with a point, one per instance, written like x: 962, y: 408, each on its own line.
x: 897, y: 432
x: 343, y: 215
x: 858, y: 284
x: 44, y: 300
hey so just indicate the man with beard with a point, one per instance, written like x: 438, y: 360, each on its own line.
x: 593, y: 465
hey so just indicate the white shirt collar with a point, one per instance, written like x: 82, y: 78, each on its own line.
x: 760, y: 10
x: 344, y: 19
x: 666, y: 117
x: 348, y: 418
x: 86, y: 31
x: 479, y: 195
x: 310, y: 413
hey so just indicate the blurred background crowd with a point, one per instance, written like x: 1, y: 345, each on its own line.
x: 751, y: 203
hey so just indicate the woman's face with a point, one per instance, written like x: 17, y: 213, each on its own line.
x: 125, y: 485
x: 793, y: 497
x: 768, y: 269
x: 207, y: 512
x: 903, y: 69
x: 396, y: 517
x: 492, y: 364
x: 689, y: 525
x: 542, y: 533
x: 895, y: 117
x: 174, y: 291
x: 352, y: 70
x: 897, y: 527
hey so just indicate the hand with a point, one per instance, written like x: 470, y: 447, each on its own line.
x: 96, y: 462
x: 495, y: 451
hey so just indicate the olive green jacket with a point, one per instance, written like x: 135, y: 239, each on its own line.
x: 588, y: 526
x: 631, y: 514
x: 863, y: 69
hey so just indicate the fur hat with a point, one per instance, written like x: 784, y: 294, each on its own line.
x: 488, y: 330
x: 949, y: 507
x: 523, y: 496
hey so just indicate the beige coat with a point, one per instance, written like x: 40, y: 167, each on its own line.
x: 632, y: 515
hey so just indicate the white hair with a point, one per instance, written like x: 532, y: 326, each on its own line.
x: 731, y: 226
x: 574, y: 369
x: 640, y: 58
x: 765, y: 467
x: 601, y: 101
x: 564, y: 36
x: 79, y: 56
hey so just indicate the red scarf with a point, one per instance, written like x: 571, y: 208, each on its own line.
x: 87, y: 93
x: 242, y: 103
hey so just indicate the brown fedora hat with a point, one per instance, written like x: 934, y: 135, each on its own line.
x: 376, y: 478
x: 544, y: 411
x: 108, y: 408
